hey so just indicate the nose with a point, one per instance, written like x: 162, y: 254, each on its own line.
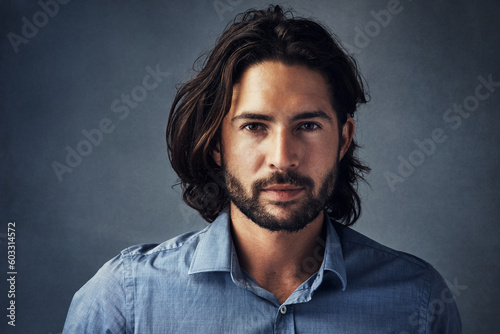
x: 283, y: 151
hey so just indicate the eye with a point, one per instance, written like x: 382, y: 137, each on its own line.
x: 309, y: 126
x: 253, y: 127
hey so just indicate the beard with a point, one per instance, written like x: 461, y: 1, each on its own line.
x: 300, y: 212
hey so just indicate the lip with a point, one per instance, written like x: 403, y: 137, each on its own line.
x: 282, y: 192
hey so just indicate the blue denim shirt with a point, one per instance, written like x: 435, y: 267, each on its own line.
x: 194, y: 284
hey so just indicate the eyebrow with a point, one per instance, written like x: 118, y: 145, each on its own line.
x: 311, y: 114
x: 252, y: 116
x: 298, y: 117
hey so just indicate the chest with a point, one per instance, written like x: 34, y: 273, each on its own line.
x: 218, y: 305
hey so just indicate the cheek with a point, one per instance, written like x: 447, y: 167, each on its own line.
x: 322, y: 154
x: 241, y: 156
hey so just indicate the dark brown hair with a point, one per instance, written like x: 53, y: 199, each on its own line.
x: 196, y: 115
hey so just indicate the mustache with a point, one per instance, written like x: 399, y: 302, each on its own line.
x: 289, y: 177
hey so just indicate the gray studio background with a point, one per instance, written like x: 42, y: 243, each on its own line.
x: 69, y: 77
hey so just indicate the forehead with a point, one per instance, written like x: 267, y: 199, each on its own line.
x: 272, y: 86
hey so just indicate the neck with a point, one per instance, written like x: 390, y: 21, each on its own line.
x: 278, y: 261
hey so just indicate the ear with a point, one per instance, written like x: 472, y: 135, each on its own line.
x: 216, y: 155
x: 347, y: 135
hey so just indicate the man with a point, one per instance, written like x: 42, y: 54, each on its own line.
x: 262, y: 140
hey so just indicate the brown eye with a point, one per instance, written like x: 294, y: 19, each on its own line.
x: 253, y: 127
x: 309, y: 126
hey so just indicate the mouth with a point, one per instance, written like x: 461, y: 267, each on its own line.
x: 282, y: 192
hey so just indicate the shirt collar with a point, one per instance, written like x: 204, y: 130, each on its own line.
x: 334, y: 258
x: 215, y: 251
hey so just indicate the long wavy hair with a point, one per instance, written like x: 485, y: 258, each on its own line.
x: 255, y: 36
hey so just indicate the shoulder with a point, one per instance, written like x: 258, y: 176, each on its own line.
x: 94, y: 305
x: 355, y: 244
x: 413, y: 281
x: 367, y: 259
x: 116, y: 269
x: 180, y: 243
x: 104, y: 302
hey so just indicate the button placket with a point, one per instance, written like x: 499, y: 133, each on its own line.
x: 284, y: 321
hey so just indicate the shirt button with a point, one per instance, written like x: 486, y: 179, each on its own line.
x: 283, y: 309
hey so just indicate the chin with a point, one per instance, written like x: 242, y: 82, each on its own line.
x: 281, y: 213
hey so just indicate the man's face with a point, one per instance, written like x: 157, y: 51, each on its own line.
x: 280, y: 146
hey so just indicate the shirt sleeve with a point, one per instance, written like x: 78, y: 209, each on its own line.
x: 100, y: 305
x: 441, y: 313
